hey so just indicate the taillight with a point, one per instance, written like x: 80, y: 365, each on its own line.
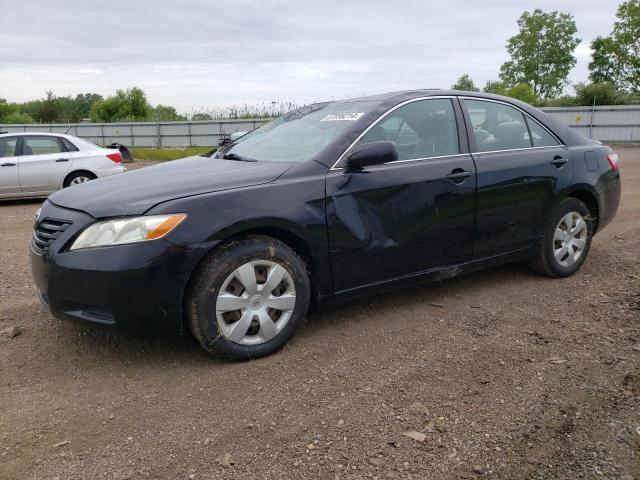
x: 614, y: 161
x: 116, y: 157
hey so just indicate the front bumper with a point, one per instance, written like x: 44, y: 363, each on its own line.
x: 137, y: 287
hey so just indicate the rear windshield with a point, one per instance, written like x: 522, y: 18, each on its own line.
x: 301, y: 134
x: 83, y: 144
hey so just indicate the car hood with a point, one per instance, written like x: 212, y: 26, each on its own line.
x: 136, y: 191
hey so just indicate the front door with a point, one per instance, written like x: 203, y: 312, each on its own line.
x: 408, y: 216
x: 43, y: 163
x: 522, y: 168
x: 9, y: 177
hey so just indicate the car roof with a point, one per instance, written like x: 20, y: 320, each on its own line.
x: 390, y: 95
x: 39, y: 134
x: 428, y: 92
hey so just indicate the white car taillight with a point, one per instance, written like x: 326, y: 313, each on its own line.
x: 115, y: 157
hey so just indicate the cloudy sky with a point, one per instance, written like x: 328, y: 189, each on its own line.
x: 200, y: 53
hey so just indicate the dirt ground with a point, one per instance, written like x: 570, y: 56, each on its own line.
x: 505, y: 374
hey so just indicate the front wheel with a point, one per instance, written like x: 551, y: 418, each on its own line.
x: 566, y: 241
x: 249, y: 298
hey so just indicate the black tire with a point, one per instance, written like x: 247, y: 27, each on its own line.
x: 210, y: 277
x: 545, y: 261
x: 76, y: 175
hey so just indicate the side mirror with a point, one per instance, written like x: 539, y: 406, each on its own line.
x: 373, y: 153
x: 225, y: 140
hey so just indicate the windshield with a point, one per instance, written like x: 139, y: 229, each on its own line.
x: 301, y: 134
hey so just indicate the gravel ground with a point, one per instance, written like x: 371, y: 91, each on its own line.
x: 498, y: 374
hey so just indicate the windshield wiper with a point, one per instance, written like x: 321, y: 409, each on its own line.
x: 240, y: 158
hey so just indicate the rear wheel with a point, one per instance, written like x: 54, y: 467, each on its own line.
x: 248, y: 299
x: 566, y: 241
x: 78, y: 178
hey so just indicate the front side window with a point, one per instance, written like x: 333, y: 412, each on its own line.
x: 497, y: 126
x: 421, y: 129
x: 40, y: 145
x: 300, y: 135
x: 8, y: 146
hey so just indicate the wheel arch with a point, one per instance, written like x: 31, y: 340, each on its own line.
x: 285, y: 235
x: 587, y: 195
x: 74, y: 172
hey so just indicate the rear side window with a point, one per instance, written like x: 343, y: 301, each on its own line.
x: 8, y: 146
x: 68, y: 146
x: 421, y: 129
x: 497, y: 126
x: 40, y: 145
x: 539, y: 135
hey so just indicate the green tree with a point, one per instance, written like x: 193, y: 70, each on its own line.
x: 616, y: 58
x: 29, y: 108
x: 562, y: 101
x: 602, y: 93
x: 165, y: 113
x: 201, y: 116
x: 541, y: 52
x: 16, y: 117
x: 521, y: 91
x: 74, y: 109
x: 601, y: 67
x: 465, y: 84
x: 6, y: 109
x: 9, y: 113
x: 496, y: 87
x: 129, y: 105
x: 48, y: 110
x: 80, y: 106
x: 68, y: 107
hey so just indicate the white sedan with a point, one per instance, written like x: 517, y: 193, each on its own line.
x: 38, y: 164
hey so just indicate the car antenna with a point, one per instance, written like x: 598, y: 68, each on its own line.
x: 68, y: 129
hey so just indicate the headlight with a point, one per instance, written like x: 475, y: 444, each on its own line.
x: 127, y: 230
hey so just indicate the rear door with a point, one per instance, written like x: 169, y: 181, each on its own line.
x: 9, y: 177
x: 522, y: 167
x: 408, y: 216
x: 44, y: 162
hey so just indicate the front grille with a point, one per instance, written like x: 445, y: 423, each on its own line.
x: 47, y: 231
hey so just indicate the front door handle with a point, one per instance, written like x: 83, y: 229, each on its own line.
x: 458, y: 175
x: 62, y: 160
x: 559, y: 161
x: 8, y: 164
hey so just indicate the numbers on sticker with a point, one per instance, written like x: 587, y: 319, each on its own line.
x: 348, y: 116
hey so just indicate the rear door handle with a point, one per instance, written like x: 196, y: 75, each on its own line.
x: 458, y: 175
x: 8, y: 164
x: 62, y: 160
x: 559, y: 161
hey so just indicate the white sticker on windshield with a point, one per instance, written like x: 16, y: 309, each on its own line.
x: 349, y: 116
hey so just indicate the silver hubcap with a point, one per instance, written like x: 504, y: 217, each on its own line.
x: 79, y: 180
x: 570, y: 239
x: 255, y: 302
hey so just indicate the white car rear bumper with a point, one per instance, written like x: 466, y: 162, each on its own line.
x: 110, y: 170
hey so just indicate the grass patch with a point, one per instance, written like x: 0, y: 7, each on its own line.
x: 167, y: 153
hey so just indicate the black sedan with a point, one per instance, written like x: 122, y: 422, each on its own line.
x: 329, y: 202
